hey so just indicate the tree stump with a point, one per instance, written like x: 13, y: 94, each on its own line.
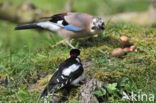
x: 86, y: 94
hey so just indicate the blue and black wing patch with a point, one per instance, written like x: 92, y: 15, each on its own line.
x: 60, y: 17
x: 71, y: 28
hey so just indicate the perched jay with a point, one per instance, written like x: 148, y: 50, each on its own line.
x: 70, y: 72
x: 69, y: 25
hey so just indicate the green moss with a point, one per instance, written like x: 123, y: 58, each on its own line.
x: 26, y: 66
x: 74, y: 94
x: 107, y: 76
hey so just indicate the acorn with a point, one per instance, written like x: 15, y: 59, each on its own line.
x: 118, y: 52
x: 126, y: 50
x: 124, y: 40
x: 133, y: 48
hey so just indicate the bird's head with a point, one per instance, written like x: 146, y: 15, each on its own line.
x: 98, y: 25
x: 75, y: 53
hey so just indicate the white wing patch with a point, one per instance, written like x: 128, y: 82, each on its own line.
x: 78, y: 60
x: 57, y: 80
x: 62, y: 77
x: 70, y: 69
x: 60, y: 23
x: 49, y: 25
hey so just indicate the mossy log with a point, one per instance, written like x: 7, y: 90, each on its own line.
x: 140, y: 18
x: 86, y: 94
x: 23, y: 14
x: 27, y: 12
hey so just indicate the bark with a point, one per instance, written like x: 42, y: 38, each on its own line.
x: 23, y: 14
x: 86, y: 94
x: 27, y: 12
x: 140, y: 18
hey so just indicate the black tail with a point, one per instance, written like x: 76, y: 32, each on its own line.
x: 27, y: 26
x: 49, y: 89
x: 45, y: 92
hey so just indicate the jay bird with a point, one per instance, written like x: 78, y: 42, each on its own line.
x: 70, y: 25
x: 70, y: 72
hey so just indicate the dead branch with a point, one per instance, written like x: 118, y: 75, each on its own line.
x: 23, y: 14
x: 86, y: 94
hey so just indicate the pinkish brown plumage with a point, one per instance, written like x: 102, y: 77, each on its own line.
x: 70, y: 25
x: 80, y: 20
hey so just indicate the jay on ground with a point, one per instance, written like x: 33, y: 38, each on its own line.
x: 70, y: 25
x: 70, y: 72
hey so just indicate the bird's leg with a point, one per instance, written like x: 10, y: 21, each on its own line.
x: 58, y: 43
x: 68, y: 42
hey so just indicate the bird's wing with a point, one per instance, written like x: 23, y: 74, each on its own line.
x: 65, y: 75
x: 67, y: 72
x: 80, y: 20
x: 71, y: 21
x: 51, y: 85
x: 70, y: 70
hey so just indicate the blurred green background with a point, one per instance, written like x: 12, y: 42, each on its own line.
x: 100, y: 7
